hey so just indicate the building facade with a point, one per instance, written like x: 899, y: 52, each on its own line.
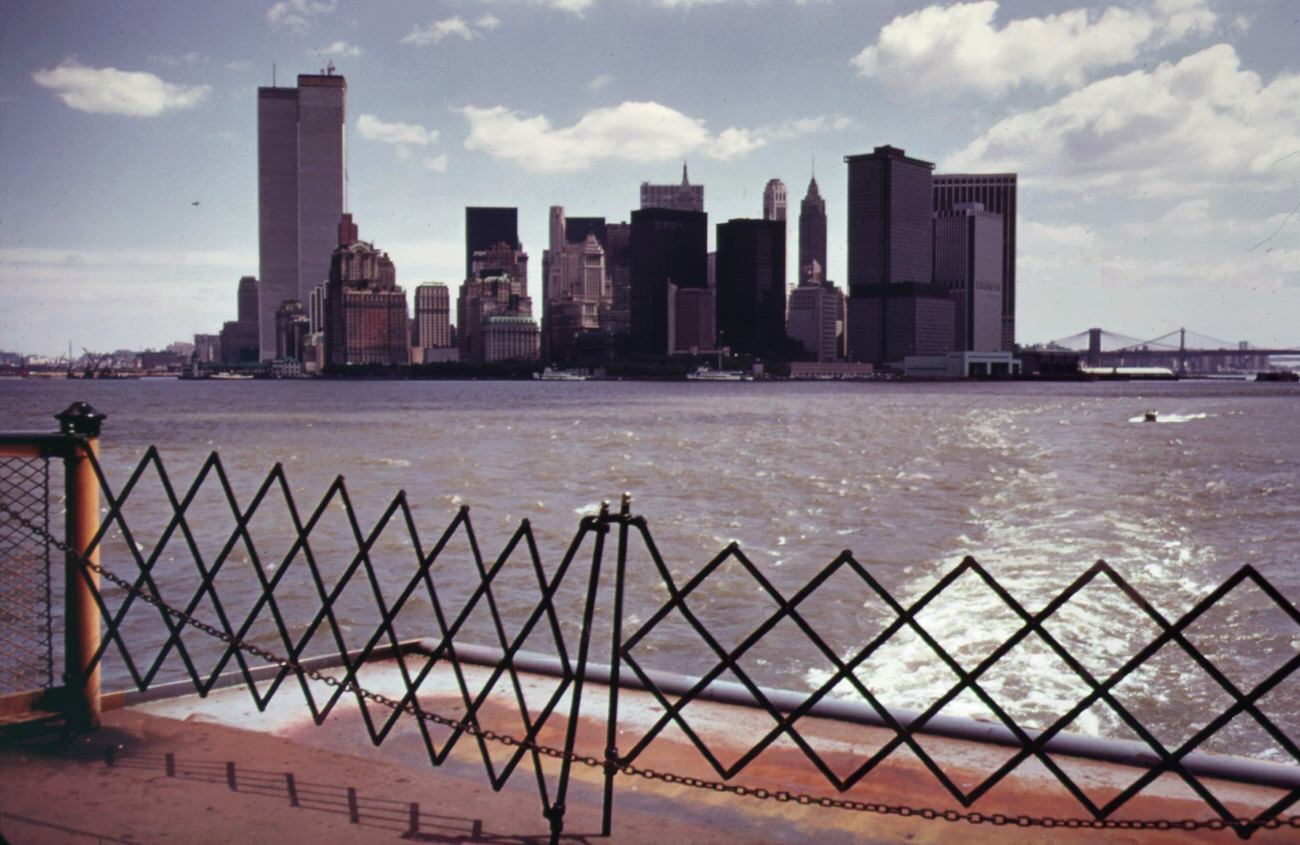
x: 812, y: 231
x: 774, y: 200
x: 891, y: 258
x: 432, y: 316
x: 240, y: 343
x: 997, y: 193
x: 968, y: 259
x: 667, y: 246
x: 577, y: 290
x: 302, y: 190
x: 366, y: 320
x: 751, y: 287
x: 292, y: 326
x: 485, y: 228
x: 813, y: 319
x: 683, y: 197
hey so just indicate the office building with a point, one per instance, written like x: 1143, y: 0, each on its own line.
x: 774, y: 200
x: 485, y: 227
x: 207, y: 348
x: 239, y: 337
x: 751, y: 287
x: 618, y: 265
x: 692, y: 321
x: 814, y: 315
x: 366, y: 320
x: 302, y: 190
x: 683, y: 197
x: 432, y: 317
x: 510, y: 337
x: 576, y: 287
x: 968, y: 259
x: 997, y: 193
x: 894, y: 309
x: 667, y: 246
x: 812, y: 231
x: 292, y: 326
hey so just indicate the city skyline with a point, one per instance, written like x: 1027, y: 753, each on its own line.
x: 134, y: 191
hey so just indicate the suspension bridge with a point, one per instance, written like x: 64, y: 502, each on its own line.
x: 1181, y: 349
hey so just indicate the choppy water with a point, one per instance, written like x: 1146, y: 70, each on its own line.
x: 1034, y: 481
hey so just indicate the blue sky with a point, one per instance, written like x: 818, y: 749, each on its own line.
x: 1158, y: 141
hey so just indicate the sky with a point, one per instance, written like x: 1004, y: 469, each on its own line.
x: 1157, y: 141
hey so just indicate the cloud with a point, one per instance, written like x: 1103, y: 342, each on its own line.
x: 630, y: 131
x: 112, y: 91
x: 600, y: 82
x: 953, y: 50
x: 339, y: 48
x: 1180, y: 129
x: 798, y: 127
x: 400, y: 134
x: 436, y: 164
x: 239, y: 64
x: 297, y: 15
x: 435, y: 31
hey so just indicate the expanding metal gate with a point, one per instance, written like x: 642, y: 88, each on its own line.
x: 182, y: 599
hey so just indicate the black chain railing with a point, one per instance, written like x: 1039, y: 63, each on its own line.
x: 564, y: 609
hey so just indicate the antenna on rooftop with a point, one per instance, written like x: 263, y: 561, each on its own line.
x: 329, y: 68
x: 272, y: 74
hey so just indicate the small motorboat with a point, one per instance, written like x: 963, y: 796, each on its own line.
x: 1149, y: 416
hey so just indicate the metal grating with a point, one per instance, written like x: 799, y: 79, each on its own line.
x: 26, y: 626
x: 404, y: 584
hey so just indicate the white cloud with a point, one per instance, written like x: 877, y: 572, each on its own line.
x: 297, y: 15
x: 801, y: 126
x: 435, y: 31
x: 339, y: 48
x: 436, y: 164
x: 401, y: 134
x: 952, y: 50
x: 112, y: 91
x: 630, y: 131
x: 600, y: 82
x: 1179, y: 129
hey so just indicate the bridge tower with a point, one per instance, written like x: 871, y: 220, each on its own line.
x: 1094, y: 347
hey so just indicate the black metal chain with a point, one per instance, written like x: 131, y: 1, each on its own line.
x: 759, y: 793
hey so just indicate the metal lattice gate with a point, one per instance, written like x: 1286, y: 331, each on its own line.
x: 26, y: 620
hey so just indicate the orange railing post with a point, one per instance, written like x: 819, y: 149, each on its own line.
x: 82, y: 620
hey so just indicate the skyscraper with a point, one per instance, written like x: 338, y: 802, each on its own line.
x: 239, y: 340
x: 485, y: 227
x: 683, y: 197
x: 366, y: 320
x: 774, y: 200
x: 997, y: 193
x: 576, y: 289
x: 432, y: 316
x: 667, y: 246
x: 812, y: 231
x: 302, y: 190
x: 968, y: 262
x: 894, y: 309
x: 751, y: 287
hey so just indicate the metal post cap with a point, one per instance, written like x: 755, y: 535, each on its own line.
x: 80, y: 418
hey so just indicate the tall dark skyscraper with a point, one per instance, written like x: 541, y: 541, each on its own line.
x: 997, y: 193
x: 751, y: 286
x: 894, y: 309
x: 487, y: 227
x: 301, y: 191
x: 968, y: 262
x: 576, y: 229
x: 666, y: 246
x: 812, y: 232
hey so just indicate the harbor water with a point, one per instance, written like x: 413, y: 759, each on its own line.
x: 1034, y: 481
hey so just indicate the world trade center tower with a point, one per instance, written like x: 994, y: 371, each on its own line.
x: 301, y: 191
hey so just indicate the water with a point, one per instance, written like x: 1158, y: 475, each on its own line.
x: 1034, y: 481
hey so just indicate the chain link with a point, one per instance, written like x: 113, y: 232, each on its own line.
x: 630, y: 770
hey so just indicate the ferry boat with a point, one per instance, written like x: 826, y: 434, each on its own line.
x: 551, y: 374
x: 707, y: 374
